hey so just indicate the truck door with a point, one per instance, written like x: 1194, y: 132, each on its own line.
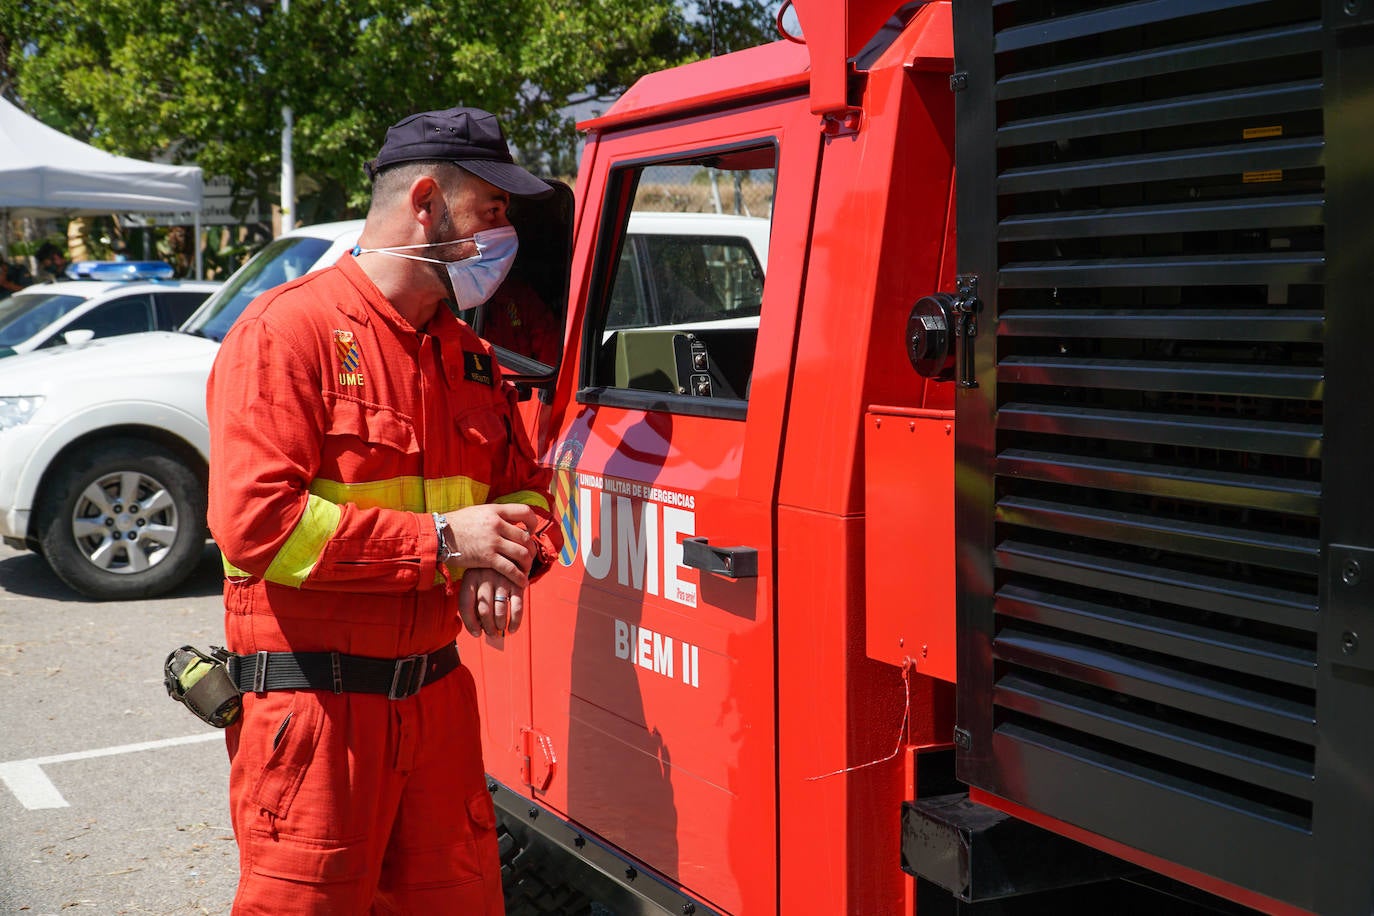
x: 653, y: 646
x: 1163, y: 449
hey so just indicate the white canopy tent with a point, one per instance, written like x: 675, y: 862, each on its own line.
x: 44, y: 172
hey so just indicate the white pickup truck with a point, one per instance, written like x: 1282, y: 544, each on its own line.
x: 104, y: 445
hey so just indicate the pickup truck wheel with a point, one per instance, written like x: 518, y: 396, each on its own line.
x: 123, y: 520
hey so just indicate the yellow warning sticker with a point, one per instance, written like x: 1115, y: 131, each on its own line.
x: 1265, y: 175
x: 1258, y: 133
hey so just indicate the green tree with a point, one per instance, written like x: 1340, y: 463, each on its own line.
x: 204, y: 81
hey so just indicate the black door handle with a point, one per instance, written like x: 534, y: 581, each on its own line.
x: 731, y: 562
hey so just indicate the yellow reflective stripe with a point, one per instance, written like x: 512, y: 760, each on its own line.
x: 231, y: 570
x: 302, y: 550
x: 404, y: 493
x: 528, y: 497
x: 448, y: 494
x: 408, y: 494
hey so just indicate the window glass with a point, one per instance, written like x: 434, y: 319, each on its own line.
x: 25, y: 314
x: 127, y: 315
x: 629, y: 307
x: 284, y: 259
x: 682, y: 301
x: 703, y: 278
x: 179, y: 306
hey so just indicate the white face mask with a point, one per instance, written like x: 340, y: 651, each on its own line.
x: 474, y: 279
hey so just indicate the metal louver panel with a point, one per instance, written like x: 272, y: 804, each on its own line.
x: 1144, y: 207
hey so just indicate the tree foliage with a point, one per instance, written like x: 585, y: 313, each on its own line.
x: 205, y: 81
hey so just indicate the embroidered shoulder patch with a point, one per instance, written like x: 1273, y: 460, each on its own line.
x: 350, y: 361
x: 477, y: 368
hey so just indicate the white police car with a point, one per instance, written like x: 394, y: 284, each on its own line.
x: 103, y: 444
x: 112, y: 298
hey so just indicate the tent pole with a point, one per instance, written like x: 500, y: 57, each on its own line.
x: 200, y: 261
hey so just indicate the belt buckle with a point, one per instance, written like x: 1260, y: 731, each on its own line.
x: 260, y: 674
x: 408, y: 676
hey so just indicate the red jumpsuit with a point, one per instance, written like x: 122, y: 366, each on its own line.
x: 335, y: 430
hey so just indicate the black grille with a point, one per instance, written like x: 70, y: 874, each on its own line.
x: 1155, y: 414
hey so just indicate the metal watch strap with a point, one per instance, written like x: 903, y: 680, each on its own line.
x: 440, y: 527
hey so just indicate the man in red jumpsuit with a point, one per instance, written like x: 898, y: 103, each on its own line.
x: 371, y: 487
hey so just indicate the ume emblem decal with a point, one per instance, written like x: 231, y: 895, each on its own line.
x: 565, y: 498
x: 631, y: 529
x: 634, y: 531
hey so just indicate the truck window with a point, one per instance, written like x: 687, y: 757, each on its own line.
x: 681, y: 285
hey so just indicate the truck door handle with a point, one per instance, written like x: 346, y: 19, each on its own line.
x: 731, y: 562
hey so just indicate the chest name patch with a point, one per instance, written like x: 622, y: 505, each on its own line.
x: 477, y: 368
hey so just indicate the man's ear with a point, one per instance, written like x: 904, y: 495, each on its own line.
x: 425, y: 198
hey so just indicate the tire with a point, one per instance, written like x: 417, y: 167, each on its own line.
x: 125, y: 519
x: 534, y: 887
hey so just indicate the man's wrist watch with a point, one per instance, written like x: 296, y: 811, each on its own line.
x: 441, y: 529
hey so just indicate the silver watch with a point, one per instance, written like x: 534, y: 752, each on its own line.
x: 441, y: 528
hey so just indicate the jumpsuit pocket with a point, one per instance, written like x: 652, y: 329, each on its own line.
x: 306, y: 847
x: 365, y: 438
x: 293, y: 747
x: 482, y: 812
x: 486, y: 439
x: 313, y: 861
x: 482, y: 428
x: 469, y: 858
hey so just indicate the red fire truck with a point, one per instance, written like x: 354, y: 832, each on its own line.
x: 1018, y: 575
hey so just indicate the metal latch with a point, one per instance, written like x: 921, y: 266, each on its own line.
x: 540, y: 763
x: 966, y: 328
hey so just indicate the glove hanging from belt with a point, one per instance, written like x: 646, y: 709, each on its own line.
x: 200, y: 683
x: 397, y: 678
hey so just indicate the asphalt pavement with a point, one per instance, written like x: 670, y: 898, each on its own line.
x: 113, y: 797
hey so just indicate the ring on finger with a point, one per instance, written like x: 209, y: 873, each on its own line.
x: 500, y: 598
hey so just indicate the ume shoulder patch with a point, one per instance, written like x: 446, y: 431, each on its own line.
x: 350, y: 361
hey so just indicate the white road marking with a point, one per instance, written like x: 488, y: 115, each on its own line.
x: 28, y: 782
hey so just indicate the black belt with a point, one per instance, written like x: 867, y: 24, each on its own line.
x: 398, y: 678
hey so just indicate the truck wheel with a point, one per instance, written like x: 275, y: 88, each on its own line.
x: 532, y: 888
x: 124, y: 519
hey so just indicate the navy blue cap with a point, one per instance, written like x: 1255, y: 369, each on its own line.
x: 469, y: 137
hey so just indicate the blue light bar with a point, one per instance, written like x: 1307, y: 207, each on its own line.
x: 120, y: 270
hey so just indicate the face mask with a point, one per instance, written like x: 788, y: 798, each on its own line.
x: 474, y: 279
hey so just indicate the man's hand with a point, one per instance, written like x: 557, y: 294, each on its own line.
x: 490, y: 536
x: 490, y: 603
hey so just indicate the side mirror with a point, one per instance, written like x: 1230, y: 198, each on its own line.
x: 78, y: 336
x: 524, y: 371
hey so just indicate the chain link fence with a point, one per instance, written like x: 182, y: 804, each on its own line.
x: 692, y: 189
